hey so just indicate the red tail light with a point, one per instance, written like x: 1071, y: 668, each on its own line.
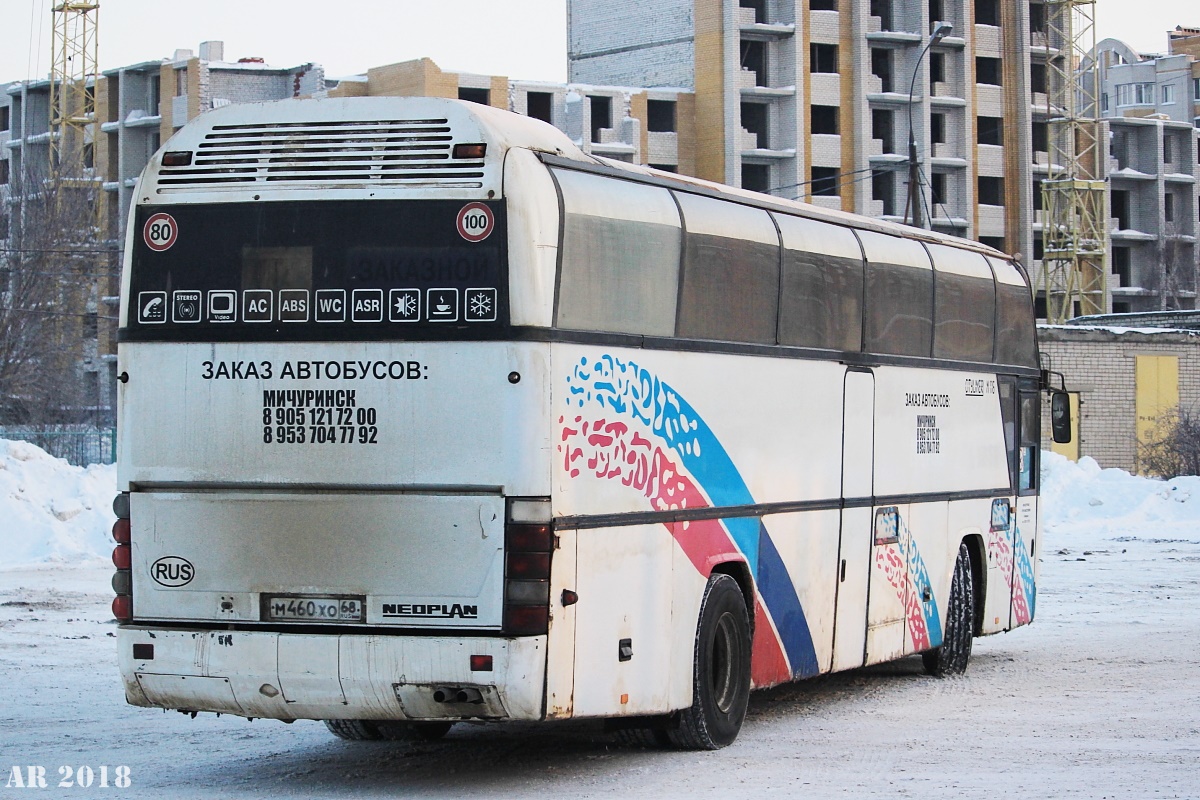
x: 122, y: 558
x: 529, y: 565
x: 526, y: 620
x: 529, y: 544
x: 524, y: 538
x: 122, y: 608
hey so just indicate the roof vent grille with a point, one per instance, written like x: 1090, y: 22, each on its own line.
x: 412, y: 152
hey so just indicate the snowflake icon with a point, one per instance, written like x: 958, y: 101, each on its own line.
x: 406, y: 305
x: 481, y: 305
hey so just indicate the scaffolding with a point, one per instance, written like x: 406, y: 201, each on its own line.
x: 1075, y: 191
x: 73, y: 75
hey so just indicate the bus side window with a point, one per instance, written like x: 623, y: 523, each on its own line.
x: 821, y: 289
x: 1008, y: 416
x: 1029, y: 460
x: 964, y: 311
x: 899, y: 305
x: 730, y: 275
x: 1015, y: 334
x: 620, y: 256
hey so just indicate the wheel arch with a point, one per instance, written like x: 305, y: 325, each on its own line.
x: 740, y: 572
x: 978, y: 553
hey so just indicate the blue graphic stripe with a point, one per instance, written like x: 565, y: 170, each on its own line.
x: 627, y: 388
x: 779, y: 593
x: 924, y: 587
x: 1025, y: 565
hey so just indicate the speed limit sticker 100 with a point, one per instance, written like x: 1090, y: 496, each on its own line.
x: 160, y: 232
x: 475, y: 222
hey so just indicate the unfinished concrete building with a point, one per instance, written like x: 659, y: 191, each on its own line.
x: 1152, y: 108
x: 136, y: 108
x: 811, y: 99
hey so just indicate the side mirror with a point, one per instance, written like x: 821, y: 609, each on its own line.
x: 1060, y: 417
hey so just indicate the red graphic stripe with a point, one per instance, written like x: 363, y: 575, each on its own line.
x: 609, y: 450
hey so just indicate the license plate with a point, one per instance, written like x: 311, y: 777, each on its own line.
x: 314, y: 608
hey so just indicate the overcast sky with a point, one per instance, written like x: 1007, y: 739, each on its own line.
x: 517, y: 38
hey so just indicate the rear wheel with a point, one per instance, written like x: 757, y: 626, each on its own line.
x: 720, y: 672
x: 373, y: 730
x: 955, y: 651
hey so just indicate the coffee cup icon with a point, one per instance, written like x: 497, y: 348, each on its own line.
x: 443, y: 305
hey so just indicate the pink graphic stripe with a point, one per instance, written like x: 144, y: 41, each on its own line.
x: 608, y: 449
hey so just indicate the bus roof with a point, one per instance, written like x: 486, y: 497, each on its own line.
x: 378, y: 147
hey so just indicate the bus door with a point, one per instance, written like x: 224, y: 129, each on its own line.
x: 1024, y: 523
x: 1013, y: 531
x: 997, y: 608
x: 854, y: 556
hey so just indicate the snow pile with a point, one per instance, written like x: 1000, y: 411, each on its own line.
x: 52, y: 512
x: 1084, y: 499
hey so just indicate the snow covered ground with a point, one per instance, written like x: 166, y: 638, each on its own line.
x: 1096, y: 699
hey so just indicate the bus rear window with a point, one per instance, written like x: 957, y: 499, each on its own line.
x: 318, y: 270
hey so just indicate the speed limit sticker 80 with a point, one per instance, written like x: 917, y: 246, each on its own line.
x: 160, y: 232
x: 475, y: 222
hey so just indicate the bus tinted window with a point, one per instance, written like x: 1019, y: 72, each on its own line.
x: 821, y: 289
x: 964, y: 304
x: 1015, y: 336
x: 730, y: 272
x: 899, y: 308
x: 346, y: 268
x: 620, y: 258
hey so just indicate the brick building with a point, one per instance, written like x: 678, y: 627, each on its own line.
x: 1124, y: 380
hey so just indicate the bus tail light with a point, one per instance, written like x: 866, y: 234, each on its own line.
x: 177, y: 158
x: 122, y: 557
x: 470, y: 150
x: 529, y: 547
x: 122, y: 608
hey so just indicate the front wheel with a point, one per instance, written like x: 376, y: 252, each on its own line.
x: 720, y: 672
x: 955, y: 651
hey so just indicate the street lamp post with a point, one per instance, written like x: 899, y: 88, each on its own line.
x: 940, y: 31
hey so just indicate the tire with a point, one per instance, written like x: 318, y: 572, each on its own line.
x: 642, y: 737
x: 955, y: 651
x: 363, y: 730
x: 354, y: 730
x: 720, y: 670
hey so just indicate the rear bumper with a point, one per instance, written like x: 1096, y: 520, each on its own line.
x: 334, y: 676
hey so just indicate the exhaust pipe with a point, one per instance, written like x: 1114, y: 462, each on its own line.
x: 457, y: 694
x: 469, y: 695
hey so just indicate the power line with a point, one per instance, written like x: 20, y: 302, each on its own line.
x: 81, y: 251
x: 873, y: 172
x: 17, y: 309
x: 814, y: 180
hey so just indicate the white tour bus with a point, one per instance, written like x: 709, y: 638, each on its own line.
x: 426, y: 415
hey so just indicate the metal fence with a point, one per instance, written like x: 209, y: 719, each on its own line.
x: 78, y: 444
